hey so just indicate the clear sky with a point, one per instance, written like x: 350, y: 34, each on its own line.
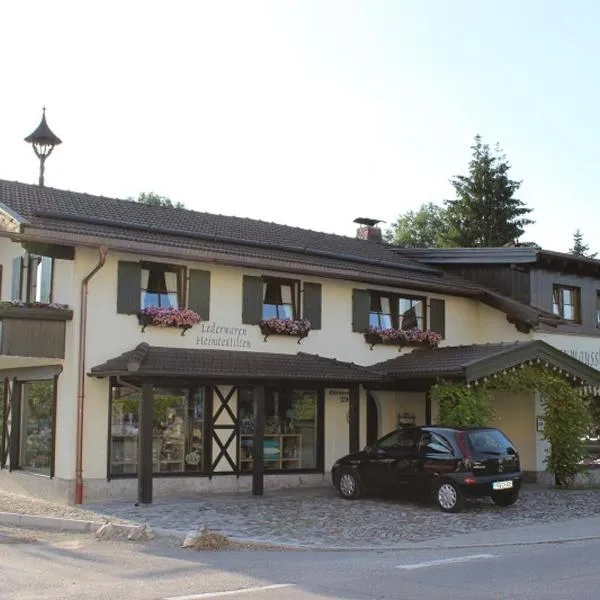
x: 308, y: 112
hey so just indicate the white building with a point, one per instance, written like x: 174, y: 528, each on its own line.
x: 99, y: 401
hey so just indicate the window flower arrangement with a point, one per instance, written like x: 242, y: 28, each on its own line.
x: 401, y: 337
x: 294, y: 327
x: 183, y: 318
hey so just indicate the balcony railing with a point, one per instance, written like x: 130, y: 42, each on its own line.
x: 35, y: 330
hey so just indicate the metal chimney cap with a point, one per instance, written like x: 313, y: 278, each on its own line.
x: 368, y: 222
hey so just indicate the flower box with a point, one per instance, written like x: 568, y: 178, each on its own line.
x: 35, y: 311
x: 298, y: 328
x: 401, y: 337
x: 182, y: 318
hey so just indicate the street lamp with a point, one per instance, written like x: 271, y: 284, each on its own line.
x: 43, y: 142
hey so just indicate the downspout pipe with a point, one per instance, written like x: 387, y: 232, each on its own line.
x: 102, y: 251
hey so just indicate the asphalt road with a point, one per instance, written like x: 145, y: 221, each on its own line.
x: 60, y: 566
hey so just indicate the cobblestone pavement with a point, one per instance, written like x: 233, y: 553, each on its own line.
x: 319, y: 518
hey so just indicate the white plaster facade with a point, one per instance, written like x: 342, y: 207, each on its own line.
x: 109, y: 334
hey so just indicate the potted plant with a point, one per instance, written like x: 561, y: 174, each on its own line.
x: 182, y: 318
x: 293, y: 327
x: 401, y: 337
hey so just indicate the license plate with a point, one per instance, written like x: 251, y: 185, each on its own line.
x: 502, y: 485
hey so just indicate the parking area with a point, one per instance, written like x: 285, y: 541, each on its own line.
x: 319, y: 518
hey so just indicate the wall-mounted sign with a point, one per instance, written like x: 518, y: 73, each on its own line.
x: 213, y: 335
x: 342, y: 395
x: 589, y: 357
x: 539, y: 424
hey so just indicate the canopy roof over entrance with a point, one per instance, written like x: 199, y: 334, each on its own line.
x: 477, y: 361
x: 145, y: 362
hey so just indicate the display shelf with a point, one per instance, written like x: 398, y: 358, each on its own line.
x: 287, y: 447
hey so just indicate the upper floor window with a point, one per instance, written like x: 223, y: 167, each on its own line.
x: 40, y: 279
x: 145, y: 284
x: 566, y: 303
x: 32, y: 278
x: 161, y: 286
x: 276, y: 298
x: 280, y: 299
x: 398, y: 312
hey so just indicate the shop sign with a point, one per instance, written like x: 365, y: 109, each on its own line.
x: 216, y: 335
x: 589, y: 357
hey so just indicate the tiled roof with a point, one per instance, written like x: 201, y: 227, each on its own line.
x: 481, y: 360
x: 52, y: 208
x: 233, y: 238
x: 146, y: 360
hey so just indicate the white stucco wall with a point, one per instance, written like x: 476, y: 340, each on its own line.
x: 515, y: 416
x: 585, y: 348
x: 110, y: 334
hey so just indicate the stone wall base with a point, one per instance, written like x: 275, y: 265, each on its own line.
x: 96, y: 490
x: 57, y: 490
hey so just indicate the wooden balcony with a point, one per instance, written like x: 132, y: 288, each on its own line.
x: 33, y: 331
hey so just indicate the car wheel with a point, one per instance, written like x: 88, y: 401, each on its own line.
x: 505, y: 498
x: 348, y: 484
x: 448, y: 497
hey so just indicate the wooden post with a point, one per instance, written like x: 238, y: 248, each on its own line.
x: 145, y: 466
x: 428, y: 407
x: 15, y: 425
x: 353, y: 419
x: 258, y: 458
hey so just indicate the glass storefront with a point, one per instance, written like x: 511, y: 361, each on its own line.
x: 37, y: 400
x: 290, y: 440
x: 178, y: 431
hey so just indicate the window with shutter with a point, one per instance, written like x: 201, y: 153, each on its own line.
x: 437, y: 316
x: 199, y: 293
x: 311, y: 304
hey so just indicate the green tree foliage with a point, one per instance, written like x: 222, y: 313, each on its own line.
x: 419, y: 229
x: 485, y: 212
x: 568, y: 415
x: 153, y: 199
x: 579, y: 248
x: 460, y: 405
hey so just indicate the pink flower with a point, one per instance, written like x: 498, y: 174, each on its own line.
x: 172, y: 317
x: 299, y: 327
x: 404, y: 336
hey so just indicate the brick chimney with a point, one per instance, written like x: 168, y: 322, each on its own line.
x: 368, y: 229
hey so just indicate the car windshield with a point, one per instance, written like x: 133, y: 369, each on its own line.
x: 488, y: 441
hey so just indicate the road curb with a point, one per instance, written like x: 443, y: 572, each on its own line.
x: 135, y: 531
x: 442, y: 545
x: 65, y: 524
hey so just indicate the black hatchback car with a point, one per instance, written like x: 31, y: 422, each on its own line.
x: 447, y: 464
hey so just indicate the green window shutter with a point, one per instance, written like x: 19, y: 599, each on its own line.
x: 361, y: 304
x: 46, y: 265
x: 437, y: 316
x: 252, y: 300
x: 129, y: 287
x: 311, y: 304
x: 17, y: 278
x: 199, y: 293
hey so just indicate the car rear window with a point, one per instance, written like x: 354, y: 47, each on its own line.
x: 488, y: 441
